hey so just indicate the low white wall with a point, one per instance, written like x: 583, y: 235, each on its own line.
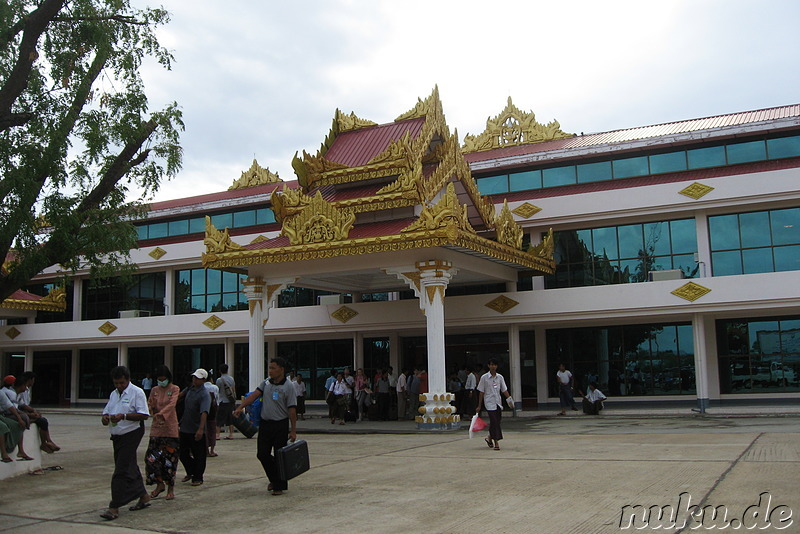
x: 31, y: 443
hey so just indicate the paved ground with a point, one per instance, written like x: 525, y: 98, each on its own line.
x: 554, y: 475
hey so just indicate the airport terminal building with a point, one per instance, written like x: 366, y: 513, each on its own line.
x: 662, y: 262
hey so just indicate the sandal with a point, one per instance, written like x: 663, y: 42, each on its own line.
x: 277, y: 492
x: 156, y: 492
x: 7, y: 460
x: 139, y: 506
x: 170, y: 497
x: 212, y: 454
x: 197, y: 483
x: 497, y: 448
x: 109, y: 515
x: 187, y: 478
x: 488, y: 442
x: 25, y: 458
x: 47, y: 448
x: 228, y: 437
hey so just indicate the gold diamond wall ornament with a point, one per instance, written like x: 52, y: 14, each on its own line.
x: 157, y: 253
x: 213, y: 322
x: 501, y: 304
x: 526, y: 210
x: 344, y: 314
x: 696, y: 190
x: 12, y: 332
x: 107, y: 328
x: 691, y: 291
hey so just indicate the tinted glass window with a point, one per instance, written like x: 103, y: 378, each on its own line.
x: 757, y: 260
x: 744, y: 152
x: 157, y: 230
x: 754, y: 229
x: 724, y: 231
x: 656, y: 238
x: 727, y: 263
x: 672, y: 162
x: 631, y: 244
x: 785, y: 226
x: 223, y: 220
x: 141, y: 231
x: 787, y: 258
x: 521, y: 181
x: 786, y: 147
x: 244, y: 218
x: 684, y: 236
x: 594, y: 172
x: 491, y: 185
x: 265, y: 216
x: 178, y: 227
x: 197, y: 225
x: 558, y: 176
x: 700, y: 158
x: 605, y: 242
x: 625, y: 168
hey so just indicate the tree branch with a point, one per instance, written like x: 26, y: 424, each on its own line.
x: 125, y: 19
x: 35, y: 24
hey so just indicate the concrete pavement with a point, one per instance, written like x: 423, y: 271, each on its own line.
x: 553, y: 475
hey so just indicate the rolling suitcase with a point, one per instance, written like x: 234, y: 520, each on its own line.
x: 292, y: 459
x: 244, y: 425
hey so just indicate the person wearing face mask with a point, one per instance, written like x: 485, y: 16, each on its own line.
x: 161, y: 458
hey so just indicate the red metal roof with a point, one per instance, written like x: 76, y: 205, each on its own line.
x: 642, y: 132
x: 358, y: 147
x: 24, y: 295
x: 331, y: 195
x: 222, y: 195
x: 377, y: 229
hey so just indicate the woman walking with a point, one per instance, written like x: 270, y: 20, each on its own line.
x: 161, y: 458
x: 491, y: 388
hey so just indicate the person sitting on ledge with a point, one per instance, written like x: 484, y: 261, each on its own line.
x: 12, y: 425
x: 22, y: 386
x: 593, y: 400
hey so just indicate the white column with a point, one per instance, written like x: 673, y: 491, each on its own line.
x: 700, y: 361
x: 122, y: 354
x: 515, y: 366
x: 77, y: 298
x: 394, y: 353
x: 229, y: 353
x: 358, y: 350
x: 542, y: 372
x: 434, y: 277
x: 28, y: 364
x: 703, y: 244
x: 169, y: 292
x: 272, y: 349
x: 74, y: 374
x: 254, y: 289
x: 168, y: 360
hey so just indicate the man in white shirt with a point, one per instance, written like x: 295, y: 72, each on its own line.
x: 125, y: 413
x: 565, y: 386
x: 593, y: 400
x: 492, y: 388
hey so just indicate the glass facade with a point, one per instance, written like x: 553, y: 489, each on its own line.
x: 616, y: 169
x: 197, y: 225
x: 52, y: 317
x: 315, y: 359
x: 94, y: 380
x: 647, y: 359
x: 105, y: 298
x: 144, y: 360
x: 760, y: 355
x: 623, y: 254
x: 755, y: 242
x: 187, y: 358
x: 208, y: 290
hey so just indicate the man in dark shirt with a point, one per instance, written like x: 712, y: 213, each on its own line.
x: 196, y: 403
x: 278, y: 410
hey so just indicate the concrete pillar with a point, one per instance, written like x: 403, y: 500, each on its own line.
x: 77, y: 298
x: 703, y: 244
x: 169, y: 292
x: 74, y: 374
x: 394, y: 353
x: 272, y: 350
x: 515, y: 366
x: 28, y: 364
x: 542, y: 372
x: 700, y: 361
x: 254, y: 289
x: 358, y: 350
x: 168, y: 359
x: 229, y: 353
x: 122, y: 354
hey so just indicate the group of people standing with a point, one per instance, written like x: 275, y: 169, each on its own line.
x: 182, y: 430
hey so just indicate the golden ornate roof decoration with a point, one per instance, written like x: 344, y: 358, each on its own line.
x: 54, y: 301
x: 508, y: 231
x: 447, y: 213
x: 346, y: 123
x: 255, y: 175
x: 422, y: 107
x: 513, y: 127
x: 545, y: 249
x: 217, y: 241
x: 318, y: 222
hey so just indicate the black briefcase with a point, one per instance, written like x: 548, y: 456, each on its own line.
x: 292, y: 459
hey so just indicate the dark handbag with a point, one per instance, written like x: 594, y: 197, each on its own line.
x: 292, y: 459
x: 330, y: 399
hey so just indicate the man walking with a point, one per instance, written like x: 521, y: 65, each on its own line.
x: 278, y: 412
x: 227, y: 401
x: 401, y: 395
x: 125, y: 413
x: 196, y: 404
x: 565, y: 386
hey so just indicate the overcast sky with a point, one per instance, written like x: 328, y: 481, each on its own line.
x: 263, y: 78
